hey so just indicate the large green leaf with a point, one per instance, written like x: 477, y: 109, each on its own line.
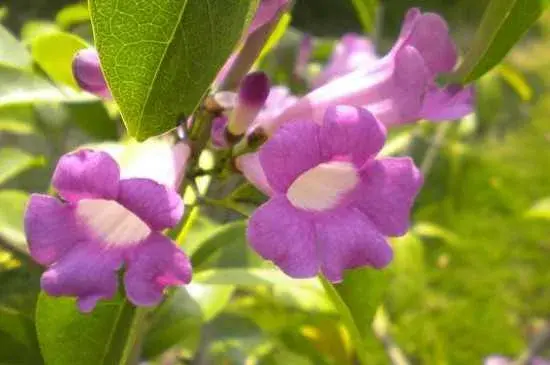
x: 14, y: 161
x: 357, y: 299
x: 503, y: 24
x: 12, y: 203
x: 103, y: 337
x: 160, y: 57
x: 57, y: 65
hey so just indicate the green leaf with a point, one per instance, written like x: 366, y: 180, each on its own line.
x: 177, y: 320
x: 13, y: 162
x: 72, y: 15
x: 180, y: 317
x: 13, y: 203
x: 503, y: 24
x: 36, y: 28
x: 57, y: 65
x: 103, y: 337
x: 366, y: 9
x: 218, y: 239
x: 17, y: 119
x: 19, y: 87
x: 13, y: 52
x: 161, y: 57
x: 357, y: 298
x: 18, y: 339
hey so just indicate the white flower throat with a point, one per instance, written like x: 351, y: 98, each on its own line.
x: 322, y: 187
x: 112, y: 222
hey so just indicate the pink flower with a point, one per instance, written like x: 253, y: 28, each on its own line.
x: 101, y: 223
x: 398, y: 88
x: 332, y: 203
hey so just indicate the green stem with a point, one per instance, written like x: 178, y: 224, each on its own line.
x: 347, y: 318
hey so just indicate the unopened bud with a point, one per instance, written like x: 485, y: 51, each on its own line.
x: 87, y: 73
x: 253, y: 93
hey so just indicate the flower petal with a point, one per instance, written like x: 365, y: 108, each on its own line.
x: 250, y: 166
x: 87, y: 272
x: 266, y: 12
x: 351, y: 131
x: 429, y: 34
x: 386, y: 193
x: 153, y: 265
x: 159, y: 206
x: 51, y: 228
x: 86, y: 174
x: 347, y: 239
x: 449, y: 103
x: 293, y: 150
x: 286, y: 236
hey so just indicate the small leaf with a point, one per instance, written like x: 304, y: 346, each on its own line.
x: 72, y: 15
x: 366, y: 9
x: 180, y: 317
x: 13, y: 203
x: 177, y: 320
x: 57, y: 65
x: 13, y: 162
x: 160, y: 58
x: 503, y: 24
x: 13, y: 52
x: 357, y: 298
x: 227, y: 246
x: 102, y: 337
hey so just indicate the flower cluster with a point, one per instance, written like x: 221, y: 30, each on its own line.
x: 332, y: 203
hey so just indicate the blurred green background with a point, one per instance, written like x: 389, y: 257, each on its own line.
x: 471, y: 278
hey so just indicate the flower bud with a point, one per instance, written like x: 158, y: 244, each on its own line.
x: 253, y: 93
x: 87, y: 73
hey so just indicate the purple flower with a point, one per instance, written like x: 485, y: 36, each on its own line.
x: 351, y: 53
x: 87, y: 73
x: 100, y: 223
x: 332, y: 203
x: 398, y: 88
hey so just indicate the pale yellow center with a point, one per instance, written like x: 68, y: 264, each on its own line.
x: 112, y: 222
x: 322, y: 187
